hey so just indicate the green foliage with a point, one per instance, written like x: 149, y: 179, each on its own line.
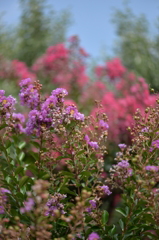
x: 39, y: 27
x: 137, y: 45
x: 8, y: 39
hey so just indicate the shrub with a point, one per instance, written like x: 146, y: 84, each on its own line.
x: 51, y: 180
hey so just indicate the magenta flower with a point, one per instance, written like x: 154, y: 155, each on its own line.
x: 59, y: 91
x: 49, y: 103
x: 29, y: 96
x: 155, y: 144
x: 106, y: 190
x: 103, y: 124
x: 54, y: 204
x: 93, y: 236
x: 25, y: 82
x: 7, y: 103
x: 2, y: 92
x: 145, y: 129
x: 19, y: 119
x: 122, y: 145
x: 3, y: 197
x: 86, y: 138
x: 152, y: 168
x: 2, y: 210
x: 93, y: 205
x: 73, y: 112
x: 28, y: 206
x: 93, y: 145
x: 123, y: 164
x: 4, y: 190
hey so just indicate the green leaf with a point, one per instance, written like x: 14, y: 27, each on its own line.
x: 36, y: 144
x: 35, y: 155
x: 67, y: 190
x: 69, y: 174
x: 105, y: 217
x: 121, y: 223
x: 19, y: 170
x: 33, y: 169
x: 23, y: 181
x: 119, y: 210
x: 21, y: 156
x: 21, y: 145
x: 80, y: 152
x: 3, y: 126
x: 46, y: 176
x: 127, y: 235
x: 112, y: 231
x: 8, y: 143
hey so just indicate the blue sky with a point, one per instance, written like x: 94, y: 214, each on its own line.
x: 91, y: 19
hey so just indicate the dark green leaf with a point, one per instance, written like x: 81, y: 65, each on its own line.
x: 119, y: 210
x: 121, y: 223
x: 19, y: 170
x: 105, y: 217
x: 23, y: 181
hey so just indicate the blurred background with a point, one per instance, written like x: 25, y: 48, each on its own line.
x: 98, y: 50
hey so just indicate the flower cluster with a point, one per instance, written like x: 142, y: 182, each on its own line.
x: 29, y: 95
x: 19, y: 119
x: 91, y: 143
x: 28, y: 206
x: 54, y: 204
x: 155, y: 144
x: 3, y: 199
x: 7, y: 105
x: 93, y: 236
x: 93, y: 205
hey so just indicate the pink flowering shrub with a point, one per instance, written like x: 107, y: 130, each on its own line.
x: 120, y: 99
x: 64, y: 66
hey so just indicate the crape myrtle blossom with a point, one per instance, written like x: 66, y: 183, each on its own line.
x: 121, y: 171
x: 29, y: 95
x: 59, y: 92
x: 145, y: 129
x: 34, y: 122
x: 92, y: 206
x: 3, y: 199
x: 152, y: 168
x: 93, y: 236
x: 103, y: 124
x: 54, y: 204
x: 18, y: 119
x: 115, y: 68
x: 122, y: 145
x: 28, y: 206
x: 124, y: 166
x: 73, y: 112
x: 155, y: 144
x: 91, y: 143
x: 49, y: 113
x: 25, y: 82
x: 106, y: 190
x: 6, y: 104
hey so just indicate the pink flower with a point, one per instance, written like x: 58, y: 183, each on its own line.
x: 93, y: 236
